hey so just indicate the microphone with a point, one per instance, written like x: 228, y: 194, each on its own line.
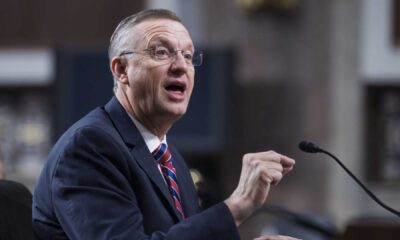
x: 310, y: 147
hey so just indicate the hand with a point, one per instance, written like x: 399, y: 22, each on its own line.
x: 259, y: 172
x: 277, y: 237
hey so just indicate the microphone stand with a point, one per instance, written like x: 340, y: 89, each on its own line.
x: 313, y: 148
x: 375, y: 198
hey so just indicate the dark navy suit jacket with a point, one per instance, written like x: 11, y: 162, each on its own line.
x: 101, y: 182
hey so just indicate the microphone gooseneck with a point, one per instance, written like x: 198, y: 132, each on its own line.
x: 310, y: 147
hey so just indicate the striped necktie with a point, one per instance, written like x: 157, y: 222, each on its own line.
x: 164, y: 158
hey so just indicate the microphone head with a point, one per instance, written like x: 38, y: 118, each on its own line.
x: 309, y: 147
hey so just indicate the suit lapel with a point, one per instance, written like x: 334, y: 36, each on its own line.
x: 139, y: 151
x: 148, y: 164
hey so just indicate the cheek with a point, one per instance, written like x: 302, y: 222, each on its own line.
x: 150, y: 89
x: 138, y: 85
x: 191, y: 84
x: 190, y: 89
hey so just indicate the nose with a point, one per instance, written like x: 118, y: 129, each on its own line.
x: 179, y: 64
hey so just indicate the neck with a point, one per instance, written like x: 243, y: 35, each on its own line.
x: 158, y: 125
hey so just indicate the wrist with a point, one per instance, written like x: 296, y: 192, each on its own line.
x: 236, y: 207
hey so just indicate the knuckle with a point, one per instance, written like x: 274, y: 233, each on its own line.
x: 271, y: 152
x: 280, y: 167
x: 246, y: 158
x: 273, y: 155
x: 249, y: 158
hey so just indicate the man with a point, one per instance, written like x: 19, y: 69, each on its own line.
x: 112, y: 174
x: 15, y: 211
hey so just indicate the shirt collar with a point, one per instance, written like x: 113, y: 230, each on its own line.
x: 151, y: 140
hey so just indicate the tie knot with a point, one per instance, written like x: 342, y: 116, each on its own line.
x: 162, y: 154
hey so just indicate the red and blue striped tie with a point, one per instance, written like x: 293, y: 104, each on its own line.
x: 164, y: 158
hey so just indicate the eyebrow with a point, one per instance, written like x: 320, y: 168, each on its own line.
x: 165, y: 41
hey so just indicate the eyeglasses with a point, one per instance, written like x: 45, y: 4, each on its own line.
x: 162, y: 53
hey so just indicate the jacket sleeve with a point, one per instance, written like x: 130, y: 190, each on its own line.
x: 93, y: 199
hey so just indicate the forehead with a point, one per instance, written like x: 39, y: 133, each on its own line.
x: 164, y: 29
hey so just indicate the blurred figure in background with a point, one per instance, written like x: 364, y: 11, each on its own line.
x: 15, y: 209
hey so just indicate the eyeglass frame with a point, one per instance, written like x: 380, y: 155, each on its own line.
x: 171, y: 54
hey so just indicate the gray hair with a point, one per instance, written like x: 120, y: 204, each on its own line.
x: 120, y: 38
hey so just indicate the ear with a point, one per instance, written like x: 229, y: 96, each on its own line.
x: 118, y: 67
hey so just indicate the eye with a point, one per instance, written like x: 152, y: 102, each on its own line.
x: 161, y: 52
x: 187, y: 55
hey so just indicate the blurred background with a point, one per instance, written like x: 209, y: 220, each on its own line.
x: 276, y: 72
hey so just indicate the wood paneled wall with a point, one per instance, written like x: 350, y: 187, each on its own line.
x: 59, y: 22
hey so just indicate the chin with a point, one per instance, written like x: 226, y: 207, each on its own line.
x: 172, y: 110
x: 180, y: 113
x: 177, y: 114
x: 177, y: 109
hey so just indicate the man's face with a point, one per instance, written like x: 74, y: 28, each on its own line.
x: 159, y: 89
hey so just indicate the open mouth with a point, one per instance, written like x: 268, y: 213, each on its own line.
x: 176, y: 87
